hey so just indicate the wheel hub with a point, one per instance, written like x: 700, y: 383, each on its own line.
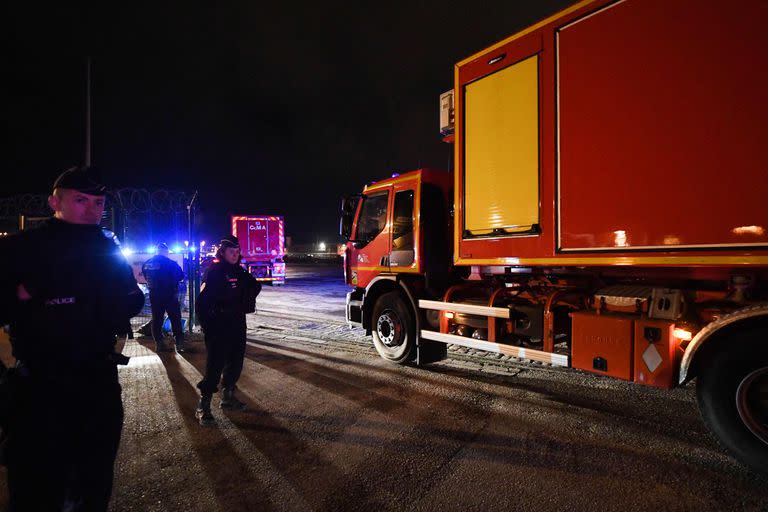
x: 389, y: 329
x: 752, y: 402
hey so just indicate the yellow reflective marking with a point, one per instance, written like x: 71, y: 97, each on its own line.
x: 526, y: 31
x: 389, y: 183
x: 621, y: 260
x: 387, y: 269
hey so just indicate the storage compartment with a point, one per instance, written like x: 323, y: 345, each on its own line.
x: 656, y: 353
x: 602, y: 344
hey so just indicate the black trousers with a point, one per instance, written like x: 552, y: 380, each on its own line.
x: 162, y: 303
x: 225, y: 343
x: 62, y: 441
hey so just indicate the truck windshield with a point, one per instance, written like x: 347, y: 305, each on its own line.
x: 373, y: 216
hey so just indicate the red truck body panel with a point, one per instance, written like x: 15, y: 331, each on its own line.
x: 651, y: 136
x: 676, y: 125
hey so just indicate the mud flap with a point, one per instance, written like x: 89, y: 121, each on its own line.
x: 430, y: 351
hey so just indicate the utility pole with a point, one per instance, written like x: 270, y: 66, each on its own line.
x: 88, y: 112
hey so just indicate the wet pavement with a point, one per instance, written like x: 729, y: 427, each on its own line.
x: 330, y: 426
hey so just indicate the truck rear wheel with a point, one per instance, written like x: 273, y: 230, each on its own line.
x: 394, y: 329
x: 732, y: 391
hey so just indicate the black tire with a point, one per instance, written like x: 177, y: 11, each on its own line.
x: 393, y: 328
x: 732, y: 392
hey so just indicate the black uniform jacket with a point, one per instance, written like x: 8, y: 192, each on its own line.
x: 82, y: 290
x: 229, y: 293
x: 162, y: 274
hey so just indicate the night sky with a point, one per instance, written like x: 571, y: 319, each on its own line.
x: 277, y: 108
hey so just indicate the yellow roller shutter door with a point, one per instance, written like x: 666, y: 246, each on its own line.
x: 502, y: 151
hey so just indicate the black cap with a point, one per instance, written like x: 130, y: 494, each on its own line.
x: 161, y: 247
x: 229, y: 241
x: 83, y: 179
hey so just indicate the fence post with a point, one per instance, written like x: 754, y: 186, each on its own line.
x: 191, y: 263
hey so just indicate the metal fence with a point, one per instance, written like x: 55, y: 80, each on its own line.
x: 148, y: 217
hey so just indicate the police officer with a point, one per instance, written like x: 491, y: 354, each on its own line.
x: 163, y: 276
x: 73, y: 294
x: 229, y: 292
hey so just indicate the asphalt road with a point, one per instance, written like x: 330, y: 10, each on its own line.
x: 330, y: 426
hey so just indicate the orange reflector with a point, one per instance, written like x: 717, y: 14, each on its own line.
x: 448, y: 314
x: 682, y: 334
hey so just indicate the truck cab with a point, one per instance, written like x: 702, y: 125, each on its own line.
x: 396, y: 230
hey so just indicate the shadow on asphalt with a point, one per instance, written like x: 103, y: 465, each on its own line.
x: 577, y: 398
x: 571, y: 394
x: 438, y: 428
x: 224, y: 470
x: 287, y: 453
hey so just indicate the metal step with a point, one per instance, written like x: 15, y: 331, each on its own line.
x: 510, y: 350
x: 469, y: 309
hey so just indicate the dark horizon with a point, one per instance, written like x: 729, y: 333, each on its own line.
x: 260, y: 109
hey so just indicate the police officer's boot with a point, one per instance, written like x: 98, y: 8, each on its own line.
x: 229, y: 401
x: 203, y: 413
x: 163, y: 346
x: 181, y: 345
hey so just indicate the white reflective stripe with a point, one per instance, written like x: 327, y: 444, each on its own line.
x: 469, y: 309
x: 523, y: 353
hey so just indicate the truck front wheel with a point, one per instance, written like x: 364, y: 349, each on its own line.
x: 394, y: 329
x: 732, y: 391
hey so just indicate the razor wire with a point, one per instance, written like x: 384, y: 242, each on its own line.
x: 141, y: 200
x: 30, y: 205
x: 128, y: 200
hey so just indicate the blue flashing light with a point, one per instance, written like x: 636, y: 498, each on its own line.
x: 127, y: 251
x: 152, y: 249
x: 176, y: 248
x: 191, y: 248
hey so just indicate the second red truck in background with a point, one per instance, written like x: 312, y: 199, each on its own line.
x: 262, y: 246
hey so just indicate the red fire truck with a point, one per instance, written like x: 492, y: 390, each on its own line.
x: 605, y: 211
x: 262, y: 246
